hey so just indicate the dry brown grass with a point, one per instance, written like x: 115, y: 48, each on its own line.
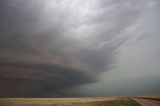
x: 94, y: 101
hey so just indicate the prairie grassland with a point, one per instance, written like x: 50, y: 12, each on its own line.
x: 94, y: 101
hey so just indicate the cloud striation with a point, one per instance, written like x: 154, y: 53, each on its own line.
x: 50, y: 46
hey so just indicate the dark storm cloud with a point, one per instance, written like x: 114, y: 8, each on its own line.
x: 45, y: 77
x: 59, y: 44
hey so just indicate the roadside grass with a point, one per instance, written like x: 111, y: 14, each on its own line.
x: 100, y: 101
x: 119, y: 102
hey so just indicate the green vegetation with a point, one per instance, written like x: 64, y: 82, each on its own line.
x: 99, y: 101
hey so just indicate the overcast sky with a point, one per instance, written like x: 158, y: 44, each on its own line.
x: 64, y: 48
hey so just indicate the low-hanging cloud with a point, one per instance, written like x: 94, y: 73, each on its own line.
x: 49, y: 46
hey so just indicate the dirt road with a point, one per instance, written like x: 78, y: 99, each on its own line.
x: 147, y: 102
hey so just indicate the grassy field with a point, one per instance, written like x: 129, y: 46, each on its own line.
x: 94, y: 101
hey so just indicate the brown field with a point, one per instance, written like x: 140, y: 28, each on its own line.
x: 93, y: 101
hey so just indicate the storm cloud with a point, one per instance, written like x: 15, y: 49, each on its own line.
x: 49, y: 46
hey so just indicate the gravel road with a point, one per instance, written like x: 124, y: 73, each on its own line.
x: 147, y: 102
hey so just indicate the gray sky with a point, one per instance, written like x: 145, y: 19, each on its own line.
x: 59, y: 48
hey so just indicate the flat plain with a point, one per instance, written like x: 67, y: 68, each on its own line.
x: 88, y: 101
